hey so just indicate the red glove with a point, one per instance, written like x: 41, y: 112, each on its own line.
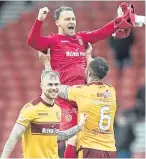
x: 123, y: 9
x: 135, y: 20
x: 124, y: 22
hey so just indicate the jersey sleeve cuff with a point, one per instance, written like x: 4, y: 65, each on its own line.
x: 38, y: 22
x: 21, y: 123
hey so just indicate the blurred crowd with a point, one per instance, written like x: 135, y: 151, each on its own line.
x: 130, y: 123
x: 130, y: 129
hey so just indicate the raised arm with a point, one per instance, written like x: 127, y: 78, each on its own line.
x: 45, y: 59
x: 13, y: 139
x: 35, y: 40
x: 64, y: 135
x: 135, y: 20
x: 88, y: 54
x: 122, y: 22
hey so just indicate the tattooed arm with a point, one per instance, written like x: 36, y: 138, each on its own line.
x: 63, y: 91
x: 64, y: 135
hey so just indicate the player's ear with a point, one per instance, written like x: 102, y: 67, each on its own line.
x: 57, y: 23
x: 89, y: 72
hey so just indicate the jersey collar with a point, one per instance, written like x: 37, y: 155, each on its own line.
x: 96, y: 83
x: 45, y: 103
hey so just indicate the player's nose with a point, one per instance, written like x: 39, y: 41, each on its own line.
x: 53, y: 87
x: 71, y: 21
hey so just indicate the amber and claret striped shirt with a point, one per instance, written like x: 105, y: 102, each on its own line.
x: 98, y: 102
x: 42, y: 123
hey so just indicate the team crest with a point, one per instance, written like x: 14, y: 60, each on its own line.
x: 106, y: 94
x: 80, y: 41
x: 68, y: 118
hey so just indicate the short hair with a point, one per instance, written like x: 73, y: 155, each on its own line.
x: 58, y: 11
x: 50, y: 73
x: 99, y: 68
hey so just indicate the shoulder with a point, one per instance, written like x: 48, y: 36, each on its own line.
x: 57, y: 108
x: 79, y: 87
x: 52, y: 36
x: 110, y: 87
x: 31, y: 106
x: 28, y: 108
x: 82, y: 33
x: 35, y: 101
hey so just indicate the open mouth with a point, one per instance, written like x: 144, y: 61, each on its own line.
x: 53, y: 91
x: 71, y: 27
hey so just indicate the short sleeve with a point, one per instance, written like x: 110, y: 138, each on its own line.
x: 74, y: 92
x: 26, y: 115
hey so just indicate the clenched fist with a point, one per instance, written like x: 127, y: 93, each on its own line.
x: 43, y: 13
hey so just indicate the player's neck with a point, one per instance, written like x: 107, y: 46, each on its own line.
x: 60, y: 32
x: 47, y: 100
x: 95, y: 81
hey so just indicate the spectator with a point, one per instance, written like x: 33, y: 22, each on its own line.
x: 141, y: 94
x: 121, y: 49
x: 130, y: 128
x: 124, y: 136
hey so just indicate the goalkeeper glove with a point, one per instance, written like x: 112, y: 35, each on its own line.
x: 135, y: 20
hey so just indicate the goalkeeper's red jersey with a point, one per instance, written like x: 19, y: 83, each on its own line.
x: 67, y: 53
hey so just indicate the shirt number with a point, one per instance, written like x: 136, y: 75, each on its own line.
x: 103, y: 117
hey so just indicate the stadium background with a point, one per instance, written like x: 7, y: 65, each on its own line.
x: 20, y: 67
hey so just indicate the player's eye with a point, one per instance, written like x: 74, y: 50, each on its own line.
x: 67, y: 19
x: 50, y: 84
x: 56, y: 84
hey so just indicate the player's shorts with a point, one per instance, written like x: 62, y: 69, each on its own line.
x: 94, y: 153
x: 68, y: 113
